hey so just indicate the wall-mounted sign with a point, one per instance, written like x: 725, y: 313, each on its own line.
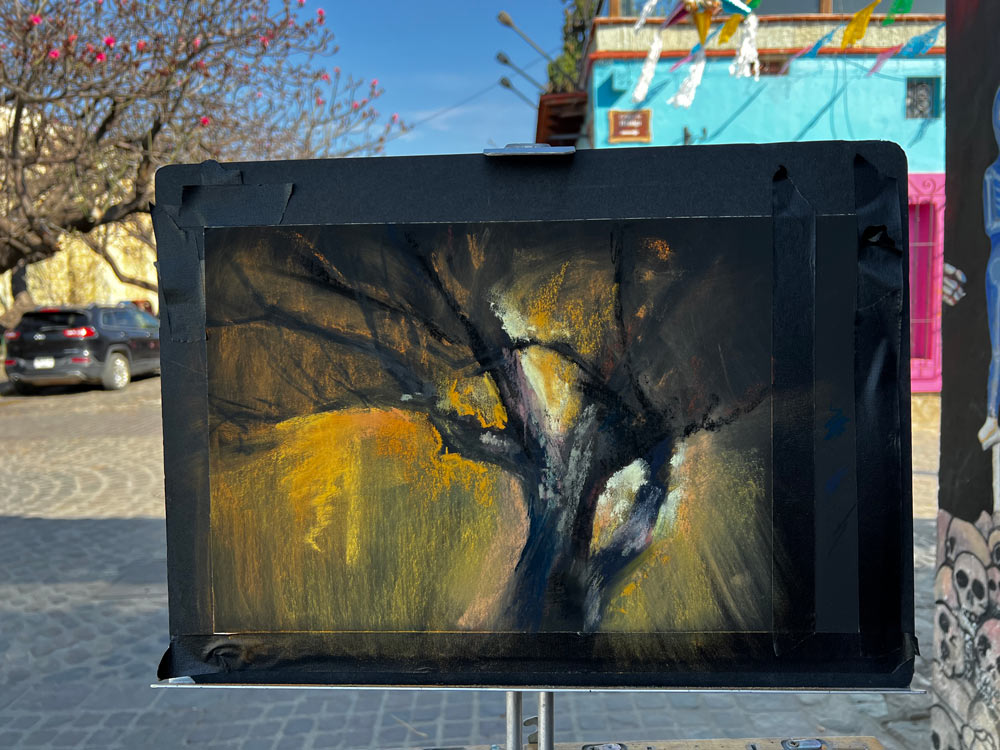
x: 630, y: 126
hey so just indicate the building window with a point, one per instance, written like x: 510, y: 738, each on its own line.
x: 773, y: 65
x: 923, y: 98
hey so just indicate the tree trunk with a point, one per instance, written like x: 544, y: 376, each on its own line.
x: 21, y: 296
x: 560, y: 585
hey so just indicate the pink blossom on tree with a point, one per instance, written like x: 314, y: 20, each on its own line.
x: 87, y: 138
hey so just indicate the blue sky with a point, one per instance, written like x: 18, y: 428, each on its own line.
x: 434, y: 54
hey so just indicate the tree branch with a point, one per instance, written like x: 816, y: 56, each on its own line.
x: 101, y: 249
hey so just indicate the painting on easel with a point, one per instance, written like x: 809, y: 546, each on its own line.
x: 534, y: 427
x: 517, y: 422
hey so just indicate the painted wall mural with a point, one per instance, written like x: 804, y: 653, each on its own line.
x: 967, y: 588
x: 967, y: 633
x: 532, y: 427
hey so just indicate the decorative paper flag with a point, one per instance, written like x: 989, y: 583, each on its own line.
x: 694, y: 50
x: 898, y: 6
x: 675, y: 14
x: 647, y: 8
x: 747, y: 62
x: 703, y: 21
x: 858, y: 26
x: 921, y: 44
x: 689, y: 86
x: 648, y: 69
x: 735, y: 6
x: 882, y: 58
x: 729, y: 27
x: 823, y: 42
x: 811, y: 51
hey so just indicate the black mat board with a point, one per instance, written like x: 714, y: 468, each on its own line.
x: 842, y: 535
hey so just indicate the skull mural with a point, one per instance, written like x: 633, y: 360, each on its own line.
x: 980, y: 729
x: 993, y: 543
x: 965, y: 537
x: 987, y: 643
x: 971, y: 586
x: 949, y: 643
x: 944, y: 587
x: 944, y: 733
x: 993, y: 574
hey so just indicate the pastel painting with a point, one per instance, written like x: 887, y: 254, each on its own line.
x: 499, y: 427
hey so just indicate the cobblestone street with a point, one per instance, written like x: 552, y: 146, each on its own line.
x: 83, y: 620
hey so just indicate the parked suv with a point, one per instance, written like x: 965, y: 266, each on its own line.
x: 96, y: 344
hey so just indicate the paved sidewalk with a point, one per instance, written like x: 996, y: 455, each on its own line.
x: 83, y: 621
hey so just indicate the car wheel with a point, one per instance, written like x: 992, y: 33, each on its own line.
x: 23, y: 389
x: 117, y: 372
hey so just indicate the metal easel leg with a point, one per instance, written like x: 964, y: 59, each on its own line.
x: 546, y: 734
x: 513, y: 720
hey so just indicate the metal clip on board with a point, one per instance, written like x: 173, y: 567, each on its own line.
x: 530, y: 149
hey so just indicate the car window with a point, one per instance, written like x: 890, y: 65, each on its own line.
x: 33, y: 321
x: 122, y: 319
x: 135, y: 318
x: 106, y: 319
x: 149, y: 321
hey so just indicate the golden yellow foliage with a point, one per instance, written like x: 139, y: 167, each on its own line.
x: 476, y: 397
x: 710, y: 552
x: 369, y: 525
x: 553, y: 379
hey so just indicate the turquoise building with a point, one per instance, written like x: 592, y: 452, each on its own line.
x: 827, y: 93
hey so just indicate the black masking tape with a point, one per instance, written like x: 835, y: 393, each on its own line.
x: 878, y: 358
x: 218, y: 197
x: 793, y: 418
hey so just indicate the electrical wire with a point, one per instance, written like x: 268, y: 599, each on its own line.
x: 462, y: 103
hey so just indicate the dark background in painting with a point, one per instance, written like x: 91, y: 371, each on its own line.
x: 973, y: 77
x: 698, y: 320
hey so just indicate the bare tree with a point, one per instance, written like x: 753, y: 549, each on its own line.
x: 97, y: 94
x: 442, y: 304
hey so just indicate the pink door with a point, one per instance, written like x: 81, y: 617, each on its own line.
x: 926, y: 277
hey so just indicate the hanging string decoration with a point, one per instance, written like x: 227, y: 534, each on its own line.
x: 882, y: 59
x: 702, y: 22
x: 648, y: 69
x: 694, y: 50
x: 677, y: 12
x: 898, y: 7
x: 729, y: 27
x: 858, y: 26
x: 921, y: 44
x: 647, y: 9
x: 747, y: 62
x: 737, y: 6
x: 812, y: 50
x: 684, y: 95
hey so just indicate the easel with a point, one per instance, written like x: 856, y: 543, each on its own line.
x: 543, y: 737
